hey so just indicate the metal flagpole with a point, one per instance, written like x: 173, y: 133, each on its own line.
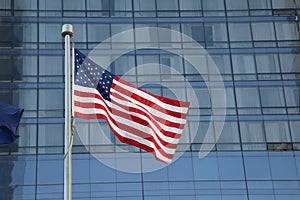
x: 67, y: 33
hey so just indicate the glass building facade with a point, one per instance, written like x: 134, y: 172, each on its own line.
x: 255, y: 45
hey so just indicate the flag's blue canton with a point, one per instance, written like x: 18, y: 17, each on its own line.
x: 89, y: 74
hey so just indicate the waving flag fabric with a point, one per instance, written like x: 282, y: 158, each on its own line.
x: 9, y: 121
x: 136, y: 117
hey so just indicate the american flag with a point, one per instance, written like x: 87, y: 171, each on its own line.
x: 136, y: 117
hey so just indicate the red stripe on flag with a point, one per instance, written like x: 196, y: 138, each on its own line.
x: 163, y: 99
x: 147, y: 102
x: 154, y: 120
x: 120, y: 125
x: 134, y: 118
x: 127, y: 140
x: 123, y: 126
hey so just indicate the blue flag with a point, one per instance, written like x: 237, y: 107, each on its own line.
x: 9, y: 121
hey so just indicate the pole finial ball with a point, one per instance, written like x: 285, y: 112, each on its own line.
x: 67, y: 29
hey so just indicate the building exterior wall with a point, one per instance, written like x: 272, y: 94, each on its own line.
x: 253, y: 43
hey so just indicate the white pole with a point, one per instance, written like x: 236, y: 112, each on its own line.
x: 67, y: 33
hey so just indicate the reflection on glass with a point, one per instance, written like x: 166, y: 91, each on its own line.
x: 296, y: 71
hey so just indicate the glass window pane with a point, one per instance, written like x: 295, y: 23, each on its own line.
x: 122, y: 5
x: 5, y: 4
x: 166, y: 37
x: 26, y: 68
x: 194, y: 31
x: 283, y: 4
x: 252, y: 132
x: 144, y: 5
x: 283, y: 167
x: 27, y: 65
x: 230, y: 133
x: 259, y: 4
x: 121, y: 8
x: 74, y: 4
x: 25, y: 4
x: 183, y: 163
x: 167, y: 5
x: 28, y: 137
x: 50, y: 135
x: 171, y: 65
x: 263, y: 31
x: 48, y: 32
x: 223, y: 63
x: 243, y: 63
x: 247, y: 97
x: 51, y: 68
x: 27, y: 33
x: 216, y: 35
x: 6, y: 31
x: 231, y: 166
x: 286, y: 31
x: 123, y: 40
x: 295, y: 127
x: 206, y: 168
x: 287, y: 62
x: 27, y: 99
x: 148, y: 72
x: 51, y: 65
x: 257, y: 166
x: 267, y: 63
x: 51, y: 102
x: 239, y: 32
x: 203, y: 97
x: 80, y: 30
x: 46, y: 174
x: 190, y: 4
x: 236, y: 4
x: 50, y: 8
x: 292, y: 96
x: 144, y: 8
x: 50, y: 5
x: 201, y: 132
x: 213, y: 5
x: 277, y: 131
x: 272, y: 96
x: 95, y: 5
x: 6, y: 69
x: 16, y: 172
x: 124, y: 65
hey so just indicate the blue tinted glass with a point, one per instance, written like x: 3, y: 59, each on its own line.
x: 129, y: 189
x: 50, y: 169
x: 257, y: 166
x: 182, y: 188
x: 50, y: 191
x: 107, y: 190
x: 158, y: 175
x: 156, y: 189
x: 298, y: 165
x: 234, y: 197
x: 287, y: 196
x: 283, y: 166
x: 81, y: 191
x: 17, y: 170
x: 100, y: 172
x: 261, y: 197
x: 230, y: 166
x: 81, y: 169
x: 206, y: 168
x: 20, y: 192
x: 182, y: 165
